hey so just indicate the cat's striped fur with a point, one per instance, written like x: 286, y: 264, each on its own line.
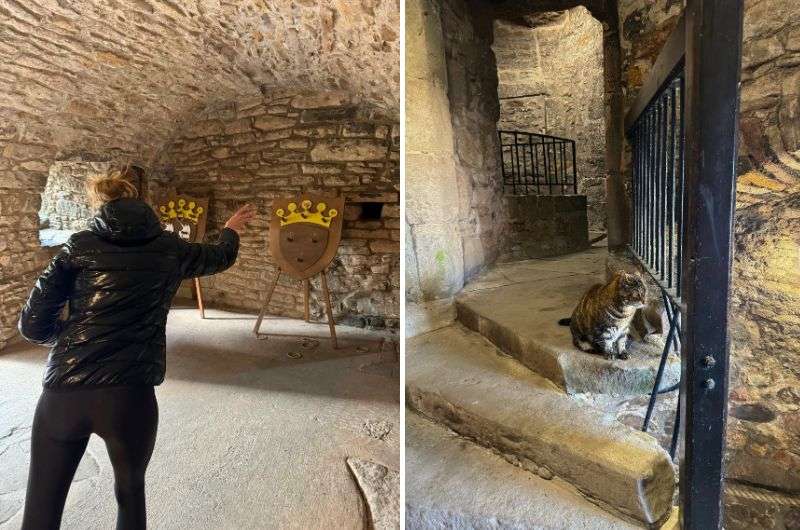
x: 603, y: 316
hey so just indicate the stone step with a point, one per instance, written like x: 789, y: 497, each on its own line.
x: 517, y: 306
x: 452, y: 483
x: 459, y: 379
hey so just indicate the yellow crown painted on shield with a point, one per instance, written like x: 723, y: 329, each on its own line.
x: 305, y: 215
x: 187, y: 210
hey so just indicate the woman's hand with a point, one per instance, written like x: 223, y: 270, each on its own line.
x: 242, y: 216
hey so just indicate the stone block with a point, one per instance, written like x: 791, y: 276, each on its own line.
x: 322, y: 100
x: 341, y: 150
x: 271, y: 123
x: 205, y: 128
x: 431, y: 189
x: 326, y: 115
x: 440, y: 261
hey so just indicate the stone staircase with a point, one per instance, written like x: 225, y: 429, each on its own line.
x: 502, y: 377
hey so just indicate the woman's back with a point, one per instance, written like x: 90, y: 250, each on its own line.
x: 118, y: 279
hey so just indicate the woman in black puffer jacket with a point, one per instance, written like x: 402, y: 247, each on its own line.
x: 118, y: 279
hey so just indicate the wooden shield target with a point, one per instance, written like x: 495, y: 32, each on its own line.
x: 305, y: 232
x: 183, y: 215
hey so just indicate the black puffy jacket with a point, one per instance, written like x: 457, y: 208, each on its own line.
x: 118, y: 279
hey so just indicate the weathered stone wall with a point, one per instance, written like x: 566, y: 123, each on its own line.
x: 256, y: 149
x: 764, y: 409
x: 645, y: 26
x: 764, y: 413
x: 545, y: 225
x: 474, y: 108
x: 115, y: 80
x: 433, y: 250
x: 454, y: 214
x: 65, y: 204
x: 763, y: 425
x: 550, y: 71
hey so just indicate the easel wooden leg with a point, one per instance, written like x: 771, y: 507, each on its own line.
x: 266, y: 302
x: 327, y: 295
x: 305, y: 299
x: 199, y: 298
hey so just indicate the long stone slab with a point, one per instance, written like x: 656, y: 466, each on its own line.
x: 455, y: 484
x: 459, y: 379
x: 517, y: 307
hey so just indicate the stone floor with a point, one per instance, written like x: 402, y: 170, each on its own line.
x: 517, y: 306
x: 526, y: 304
x: 253, y: 433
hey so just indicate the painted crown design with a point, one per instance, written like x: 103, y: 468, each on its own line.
x: 188, y: 211
x: 305, y: 215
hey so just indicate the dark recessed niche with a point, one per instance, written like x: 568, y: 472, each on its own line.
x: 371, y: 211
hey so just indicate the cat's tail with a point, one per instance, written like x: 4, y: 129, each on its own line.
x: 564, y: 322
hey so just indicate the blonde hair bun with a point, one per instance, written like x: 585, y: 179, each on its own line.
x: 110, y: 187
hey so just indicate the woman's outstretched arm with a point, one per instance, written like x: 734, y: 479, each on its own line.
x: 203, y: 259
x: 39, y: 322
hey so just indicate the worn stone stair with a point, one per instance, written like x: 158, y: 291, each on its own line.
x: 458, y: 379
x: 452, y: 483
x: 517, y: 307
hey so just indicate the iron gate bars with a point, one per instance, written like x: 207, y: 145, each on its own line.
x: 537, y: 164
x: 673, y: 317
x: 658, y: 185
x: 692, y: 97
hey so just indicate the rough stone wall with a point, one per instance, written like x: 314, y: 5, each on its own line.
x: 764, y: 410
x: 433, y: 252
x: 763, y: 424
x: 545, y: 225
x: 454, y: 207
x: 114, y: 80
x: 254, y: 150
x: 644, y: 27
x: 474, y: 110
x: 65, y: 204
x: 764, y: 403
x: 551, y: 81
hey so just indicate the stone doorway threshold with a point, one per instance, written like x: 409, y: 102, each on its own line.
x: 250, y: 437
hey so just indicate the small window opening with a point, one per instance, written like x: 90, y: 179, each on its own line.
x: 65, y: 206
x: 371, y: 211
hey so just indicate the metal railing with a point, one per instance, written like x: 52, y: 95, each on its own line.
x: 682, y: 130
x: 655, y: 130
x: 657, y: 142
x: 537, y: 164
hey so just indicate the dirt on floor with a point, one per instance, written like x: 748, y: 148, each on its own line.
x: 253, y: 432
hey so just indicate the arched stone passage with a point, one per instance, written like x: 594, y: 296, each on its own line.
x: 114, y: 81
x: 256, y: 149
x: 550, y: 72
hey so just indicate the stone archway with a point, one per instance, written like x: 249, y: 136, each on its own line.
x: 116, y: 81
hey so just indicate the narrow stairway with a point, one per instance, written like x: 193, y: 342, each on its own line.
x: 506, y: 377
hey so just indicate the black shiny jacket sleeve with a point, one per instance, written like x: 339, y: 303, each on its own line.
x: 203, y: 259
x: 39, y: 322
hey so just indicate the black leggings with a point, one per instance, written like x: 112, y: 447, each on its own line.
x: 125, y: 417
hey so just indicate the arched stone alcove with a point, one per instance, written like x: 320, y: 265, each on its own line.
x: 118, y: 81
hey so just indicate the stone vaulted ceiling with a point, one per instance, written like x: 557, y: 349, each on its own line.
x: 120, y: 74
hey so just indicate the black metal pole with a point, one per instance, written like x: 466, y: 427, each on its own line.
x: 671, y: 187
x: 713, y: 64
x: 680, y: 198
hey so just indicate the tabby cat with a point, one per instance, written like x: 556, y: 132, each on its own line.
x: 601, y: 320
